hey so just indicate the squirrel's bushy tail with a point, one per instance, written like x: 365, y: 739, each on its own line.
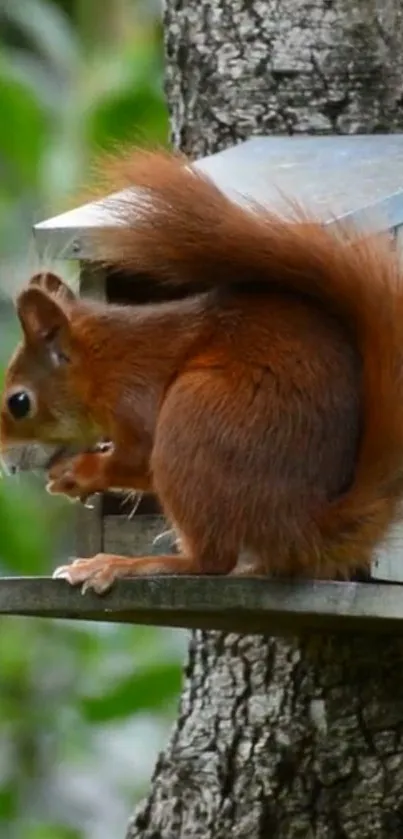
x: 180, y: 229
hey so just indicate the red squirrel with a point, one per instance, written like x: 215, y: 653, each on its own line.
x: 264, y: 408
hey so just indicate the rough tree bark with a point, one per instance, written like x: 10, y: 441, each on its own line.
x: 282, y: 739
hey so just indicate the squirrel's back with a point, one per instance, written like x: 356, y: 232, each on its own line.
x: 305, y: 394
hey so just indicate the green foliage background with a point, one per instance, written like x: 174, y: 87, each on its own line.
x: 83, y: 709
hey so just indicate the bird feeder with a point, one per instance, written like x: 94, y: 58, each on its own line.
x: 357, y: 178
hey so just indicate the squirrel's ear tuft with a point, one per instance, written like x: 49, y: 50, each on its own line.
x: 54, y: 285
x: 42, y: 317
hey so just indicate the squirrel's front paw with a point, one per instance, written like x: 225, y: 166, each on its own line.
x: 77, y: 477
x: 97, y: 573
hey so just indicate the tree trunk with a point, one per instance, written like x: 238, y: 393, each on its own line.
x: 301, y: 738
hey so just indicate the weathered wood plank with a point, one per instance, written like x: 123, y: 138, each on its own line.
x: 89, y: 528
x: 230, y: 604
x: 387, y: 564
x: 131, y: 536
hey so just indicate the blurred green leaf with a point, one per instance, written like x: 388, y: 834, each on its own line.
x: 8, y: 802
x: 51, y: 831
x: 25, y: 535
x: 21, y: 145
x: 49, y: 30
x: 152, y: 688
x: 125, y: 99
x: 25, y: 69
x: 129, y: 117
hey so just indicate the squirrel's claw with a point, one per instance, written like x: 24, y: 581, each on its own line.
x: 97, y: 573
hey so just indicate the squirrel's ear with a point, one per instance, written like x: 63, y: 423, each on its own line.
x: 41, y: 316
x: 53, y: 284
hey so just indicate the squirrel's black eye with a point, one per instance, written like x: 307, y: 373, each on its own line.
x: 19, y: 404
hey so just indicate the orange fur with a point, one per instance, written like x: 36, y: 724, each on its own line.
x: 265, y: 410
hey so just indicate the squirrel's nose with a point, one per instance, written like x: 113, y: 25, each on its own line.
x: 19, y: 404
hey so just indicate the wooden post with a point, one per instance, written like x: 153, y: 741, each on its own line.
x: 89, y: 525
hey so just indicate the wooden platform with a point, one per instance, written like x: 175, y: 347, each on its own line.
x: 254, y: 605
